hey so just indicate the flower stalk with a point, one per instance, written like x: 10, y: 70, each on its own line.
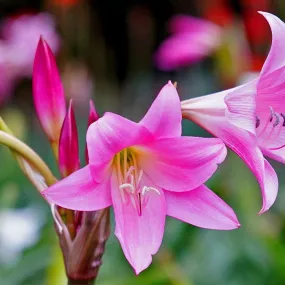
x: 26, y: 152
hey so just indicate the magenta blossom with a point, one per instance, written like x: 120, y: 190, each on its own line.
x: 19, y: 38
x: 192, y: 40
x: 250, y: 118
x: 146, y: 170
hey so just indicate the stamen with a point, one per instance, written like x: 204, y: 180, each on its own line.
x: 140, y: 178
x: 257, y: 123
x: 271, y: 114
x: 283, y: 116
x: 277, y: 121
x: 128, y: 186
x: 148, y: 189
x: 130, y: 170
x: 125, y: 162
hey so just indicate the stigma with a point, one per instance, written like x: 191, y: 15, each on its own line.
x: 131, y: 182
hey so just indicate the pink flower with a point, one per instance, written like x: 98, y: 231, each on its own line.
x: 192, y: 40
x: 250, y: 118
x: 146, y: 170
x: 21, y: 36
x: 48, y: 92
x: 19, y: 39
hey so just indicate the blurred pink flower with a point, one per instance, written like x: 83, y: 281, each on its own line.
x: 146, y: 171
x: 192, y: 40
x: 250, y: 118
x: 20, y: 37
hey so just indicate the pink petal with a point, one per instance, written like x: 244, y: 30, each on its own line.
x: 245, y: 146
x: 107, y: 137
x: 275, y: 59
x: 79, y: 192
x: 164, y: 117
x: 202, y: 208
x: 192, y: 25
x: 48, y: 92
x: 241, y: 110
x: 68, y: 158
x: 193, y: 39
x: 271, y: 85
x: 181, y: 164
x: 270, y: 183
x: 278, y: 155
x: 140, y: 236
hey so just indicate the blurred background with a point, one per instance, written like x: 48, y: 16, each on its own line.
x: 106, y: 51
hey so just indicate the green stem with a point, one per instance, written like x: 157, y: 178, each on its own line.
x: 27, y: 153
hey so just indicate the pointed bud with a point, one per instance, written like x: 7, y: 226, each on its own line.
x: 68, y: 156
x: 93, y: 117
x: 48, y: 92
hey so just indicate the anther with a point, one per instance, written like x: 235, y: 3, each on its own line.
x: 277, y: 121
x: 283, y: 116
x: 257, y: 123
x: 271, y: 114
x: 128, y: 186
x: 148, y: 189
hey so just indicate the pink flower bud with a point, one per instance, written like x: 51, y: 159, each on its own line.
x: 93, y: 117
x: 68, y: 157
x: 48, y: 92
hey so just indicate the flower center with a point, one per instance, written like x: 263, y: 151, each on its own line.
x: 130, y: 179
x: 271, y: 129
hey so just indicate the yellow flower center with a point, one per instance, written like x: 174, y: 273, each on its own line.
x: 130, y: 178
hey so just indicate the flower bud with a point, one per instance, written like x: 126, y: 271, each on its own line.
x: 48, y: 92
x: 68, y: 156
x: 93, y: 117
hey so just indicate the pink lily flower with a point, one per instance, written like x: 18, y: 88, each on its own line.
x: 146, y: 170
x: 192, y: 40
x: 250, y: 118
x: 68, y: 152
x: 48, y: 92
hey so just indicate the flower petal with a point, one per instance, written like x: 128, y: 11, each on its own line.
x: 275, y: 58
x: 79, y: 192
x: 164, y: 117
x: 270, y: 189
x: 192, y: 40
x: 271, y: 85
x: 193, y: 25
x: 140, y: 236
x: 181, y: 164
x: 202, y: 208
x: 241, y: 110
x: 245, y: 146
x: 108, y: 136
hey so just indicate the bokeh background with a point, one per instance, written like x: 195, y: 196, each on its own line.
x: 105, y: 52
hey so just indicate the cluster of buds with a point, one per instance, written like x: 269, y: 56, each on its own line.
x: 82, y: 235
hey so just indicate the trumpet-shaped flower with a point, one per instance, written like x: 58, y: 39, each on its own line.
x: 146, y: 170
x: 250, y: 118
x: 192, y: 39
